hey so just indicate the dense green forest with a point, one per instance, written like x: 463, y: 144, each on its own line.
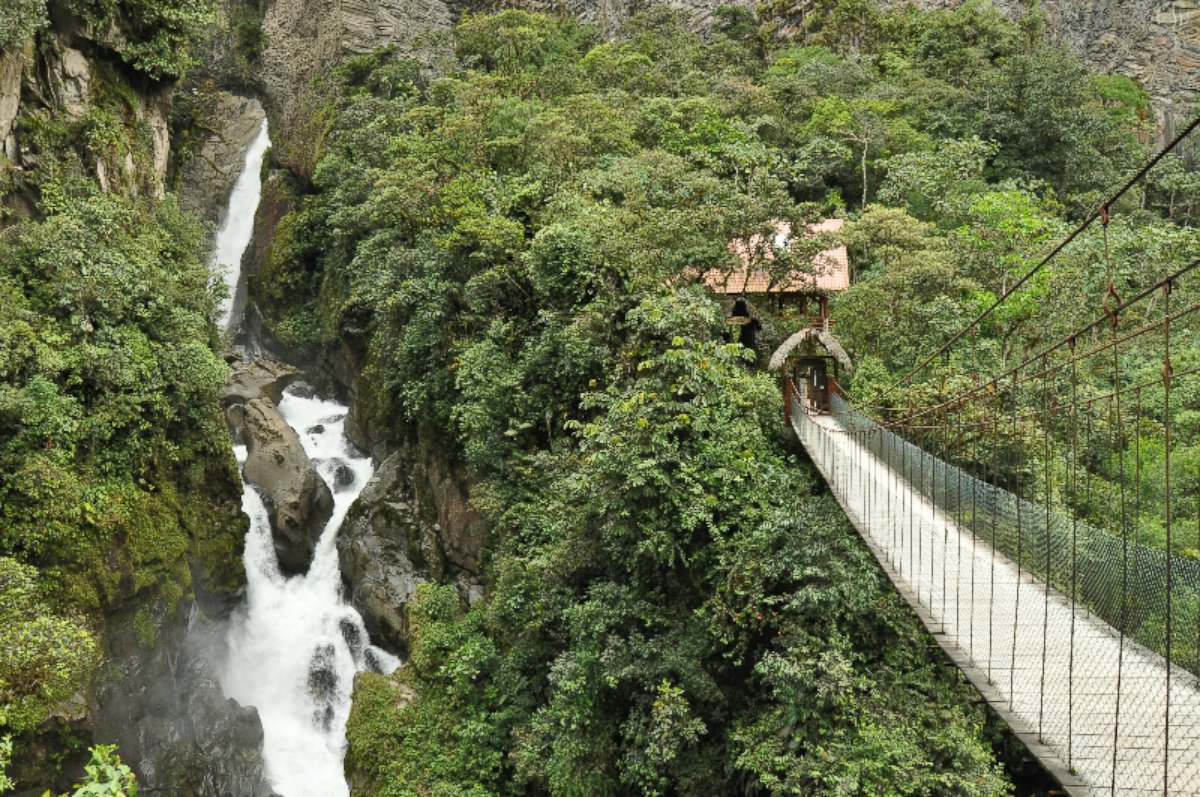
x: 673, y: 607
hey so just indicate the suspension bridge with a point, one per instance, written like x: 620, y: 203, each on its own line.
x: 1034, y: 517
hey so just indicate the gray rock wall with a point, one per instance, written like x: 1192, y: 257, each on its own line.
x: 305, y: 39
x: 12, y: 64
x: 59, y: 75
x: 164, y: 707
x: 207, y: 178
x: 403, y: 530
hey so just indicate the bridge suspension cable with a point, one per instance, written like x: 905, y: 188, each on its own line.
x: 1039, y: 515
x: 1101, y: 211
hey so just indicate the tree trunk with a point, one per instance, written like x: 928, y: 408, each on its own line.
x: 866, y: 148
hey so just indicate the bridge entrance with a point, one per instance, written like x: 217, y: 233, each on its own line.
x: 812, y: 375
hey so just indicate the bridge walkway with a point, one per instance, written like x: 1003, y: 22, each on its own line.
x: 1060, y: 676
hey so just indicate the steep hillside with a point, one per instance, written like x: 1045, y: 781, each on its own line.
x: 1155, y: 43
x: 120, y: 523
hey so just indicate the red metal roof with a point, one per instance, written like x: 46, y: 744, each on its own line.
x: 831, y: 267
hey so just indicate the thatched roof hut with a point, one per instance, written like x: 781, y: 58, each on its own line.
x: 823, y: 337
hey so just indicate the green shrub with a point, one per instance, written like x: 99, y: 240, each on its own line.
x: 158, y: 34
x: 20, y: 19
x: 45, y: 656
x: 106, y: 776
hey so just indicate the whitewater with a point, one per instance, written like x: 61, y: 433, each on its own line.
x: 294, y: 645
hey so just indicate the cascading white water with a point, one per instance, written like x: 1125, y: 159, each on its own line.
x: 295, y: 645
x: 234, y: 235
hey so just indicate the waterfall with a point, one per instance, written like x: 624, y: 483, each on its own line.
x: 294, y: 645
x: 238, y: 226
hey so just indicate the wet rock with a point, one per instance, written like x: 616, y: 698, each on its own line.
x: 343, y: 477
x: 322, y: 673
x: 389, y: 544
x: 372, y: 661
x: 323, y: 684
x: 298, y: 501
x: 352, y: 634
x: 304, y: 390
x: 165, y: 709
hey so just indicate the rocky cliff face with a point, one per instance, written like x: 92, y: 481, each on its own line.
x: 12, y: 65
x: 164, y: 706
x: 206, y: 178
x: 64, y: 78
x: 306, y: 39
x: 410, y: 524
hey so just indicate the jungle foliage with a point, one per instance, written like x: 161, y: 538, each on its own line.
x: 113, y: 448
x: 155, y: 35
x: 109, y: 429
x: 20, y: 19
x: 672, y: 607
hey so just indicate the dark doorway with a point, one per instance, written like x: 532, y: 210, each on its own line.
x: 812, y: 377
x: 747, y: 325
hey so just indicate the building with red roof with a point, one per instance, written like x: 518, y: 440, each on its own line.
x: 810, y: 359
x: 829, y: 271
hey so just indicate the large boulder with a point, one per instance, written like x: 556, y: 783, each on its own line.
x: 392, y: 541
x: 262, y: 378
x: 298, y: 501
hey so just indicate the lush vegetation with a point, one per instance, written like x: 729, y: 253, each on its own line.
x: 19, y: 19
x: 672, y: 608
x: 1038, y: 144
x: 156, y: 35
x: 955, y: 224
x: 116, y: 483
x: 105, y: 775
x: 112, y: 437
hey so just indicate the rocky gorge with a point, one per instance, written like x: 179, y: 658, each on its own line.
x: 413, y: 522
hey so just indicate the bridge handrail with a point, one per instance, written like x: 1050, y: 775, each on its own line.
x: 991, y: 514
